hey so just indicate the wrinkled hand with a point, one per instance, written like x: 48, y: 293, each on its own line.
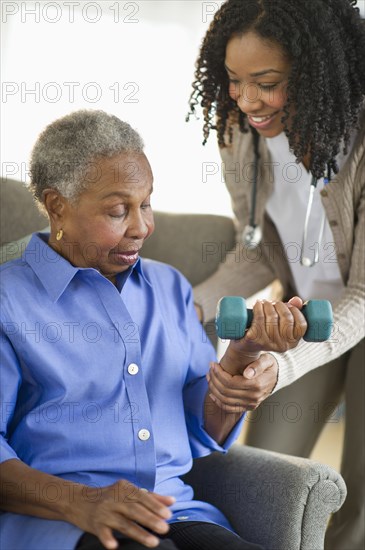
x: 243, y: 392
x: 125, y: 508
x: 276, y: 326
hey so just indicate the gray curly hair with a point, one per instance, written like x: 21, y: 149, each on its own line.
x: 64, y: 151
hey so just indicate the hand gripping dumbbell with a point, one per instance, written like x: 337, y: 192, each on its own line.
x: 233, y: 319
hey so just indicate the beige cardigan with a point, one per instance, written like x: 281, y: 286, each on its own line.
x: 245, y: 273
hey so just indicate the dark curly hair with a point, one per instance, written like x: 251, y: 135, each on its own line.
x: 325, y: 42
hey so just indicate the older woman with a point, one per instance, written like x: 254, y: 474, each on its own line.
x: 96, y: 347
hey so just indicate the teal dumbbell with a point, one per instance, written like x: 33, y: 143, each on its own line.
x: 233, y: 319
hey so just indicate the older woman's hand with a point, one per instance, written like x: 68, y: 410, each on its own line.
x: 243, y: 392
x: 276, y: 326
x: 244, y: 378
x: 125, y: 508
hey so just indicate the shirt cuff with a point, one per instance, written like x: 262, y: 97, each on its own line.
x: 201, y: 443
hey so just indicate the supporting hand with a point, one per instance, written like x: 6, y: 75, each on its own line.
x: 243, y: 392
x: 244, y: 378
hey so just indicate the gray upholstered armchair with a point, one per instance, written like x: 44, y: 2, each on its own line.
x: 279, y: 501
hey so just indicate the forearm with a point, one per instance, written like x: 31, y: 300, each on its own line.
x: 217, y: 422
x: 220, y: 419
x: 24, y: 490
x: 348, y: 316
x: 235, y: 360
x: 94, y: 510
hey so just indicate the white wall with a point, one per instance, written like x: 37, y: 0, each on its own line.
x: 133, y: 59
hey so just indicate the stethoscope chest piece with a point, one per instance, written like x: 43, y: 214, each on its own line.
x: 306, y: 262
x: 251, y: 236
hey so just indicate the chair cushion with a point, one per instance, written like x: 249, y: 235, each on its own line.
x: 13, y: 250
x: 195, y: 244
x: 19, y: 215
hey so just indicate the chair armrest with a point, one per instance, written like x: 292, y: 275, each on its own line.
x: 276, y: 500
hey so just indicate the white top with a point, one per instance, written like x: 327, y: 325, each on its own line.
x: 287, y: 207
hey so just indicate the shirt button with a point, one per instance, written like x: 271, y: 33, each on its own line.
x: 133, y: 368
x: 341, y: 256
x: 182, y: 518
x: 324, y: 193
x: 144, y: 434
x: 333, y: 223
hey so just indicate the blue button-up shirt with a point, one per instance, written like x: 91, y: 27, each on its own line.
x: 101, y: 382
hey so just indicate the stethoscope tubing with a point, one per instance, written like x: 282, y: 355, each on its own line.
x: 252, y: 233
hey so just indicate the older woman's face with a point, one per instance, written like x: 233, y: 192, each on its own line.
x: 107, y: 226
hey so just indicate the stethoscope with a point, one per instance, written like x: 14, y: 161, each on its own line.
x: 252, y: 234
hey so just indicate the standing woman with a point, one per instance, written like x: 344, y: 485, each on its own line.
x: 283, y: 84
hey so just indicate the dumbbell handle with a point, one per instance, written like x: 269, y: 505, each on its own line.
x: 233, y: 319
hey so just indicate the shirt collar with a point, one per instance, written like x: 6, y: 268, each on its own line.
x: 56, y: 273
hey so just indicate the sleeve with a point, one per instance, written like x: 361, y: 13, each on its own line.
x: 234, y: 277
x: 10, y: 380
x: 348, y: 316
x: 196, y: 386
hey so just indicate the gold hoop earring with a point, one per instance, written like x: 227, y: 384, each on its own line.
x: 59, y: 235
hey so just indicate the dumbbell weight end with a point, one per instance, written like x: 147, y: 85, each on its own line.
x: 233, y: 319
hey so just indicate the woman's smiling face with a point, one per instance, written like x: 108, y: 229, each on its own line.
x: 258, y: 72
